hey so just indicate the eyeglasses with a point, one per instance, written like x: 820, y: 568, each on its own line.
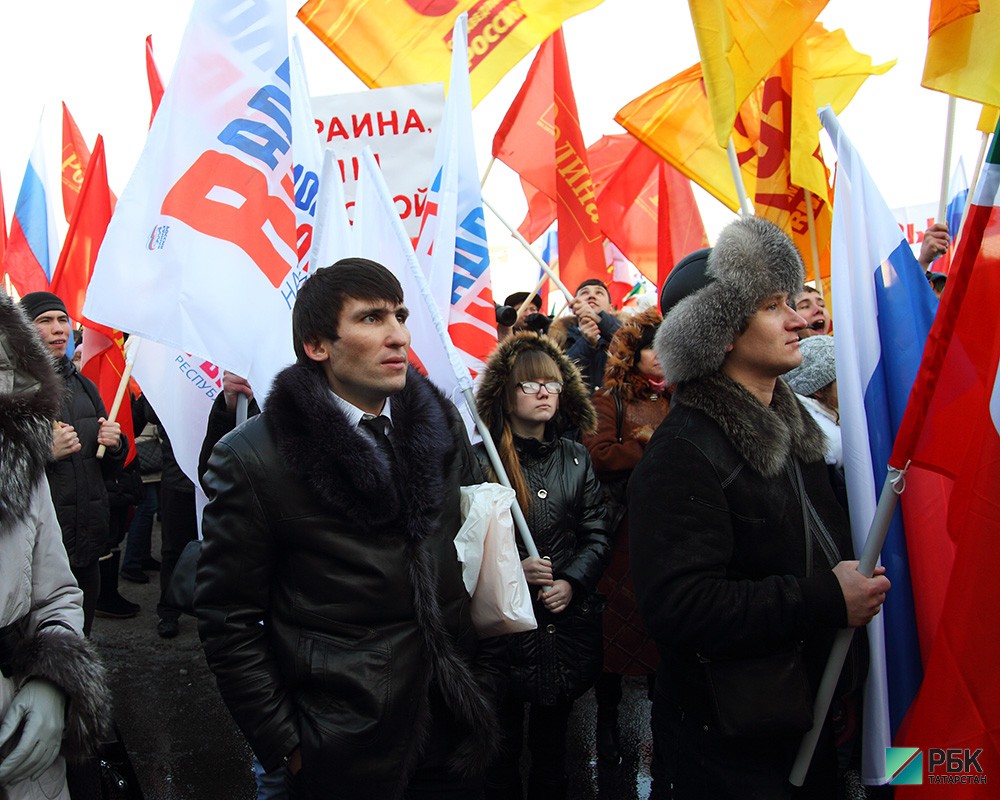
x: 534, y: 387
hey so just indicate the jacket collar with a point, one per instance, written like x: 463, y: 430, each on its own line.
x: 765, y: 436
x: 342, y: 465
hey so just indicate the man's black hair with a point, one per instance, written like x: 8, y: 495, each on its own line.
x: 321, y: 299
x: 593, y: 282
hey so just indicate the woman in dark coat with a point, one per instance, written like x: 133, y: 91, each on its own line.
x: 630, y: 406
x: 527, y: 384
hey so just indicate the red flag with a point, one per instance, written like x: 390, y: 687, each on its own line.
x: 103, y: 361
x: 952, y: 428
x: 604, y: 156
x: 540, y: 139
x: 648, y: 210
x: 153, y: 76
x: 86, y: 232
x: 75, y: 156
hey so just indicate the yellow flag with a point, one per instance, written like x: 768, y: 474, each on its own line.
x: 962, y: 56
x: 396, y: 42
x: 739, y: 41
x: 988, y: 118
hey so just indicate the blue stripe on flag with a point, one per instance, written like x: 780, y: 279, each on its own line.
x: 906, y: 308
x: 32, y: 215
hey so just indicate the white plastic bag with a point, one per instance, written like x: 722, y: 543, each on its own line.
x: 491, y: 566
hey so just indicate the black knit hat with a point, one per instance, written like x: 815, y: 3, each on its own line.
x: 688, y: 276
x: 36, y: 303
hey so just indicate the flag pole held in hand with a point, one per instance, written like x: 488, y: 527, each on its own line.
x: 131, y: 348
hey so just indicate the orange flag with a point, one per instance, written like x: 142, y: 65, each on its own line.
x: 540, y: 139
x: 962, y: 50
x: 395, y: 42
x: 75, y: 156
x: 739, y: 42
x: 153, y: 77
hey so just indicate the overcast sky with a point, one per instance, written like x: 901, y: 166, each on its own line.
x: 90, y: 53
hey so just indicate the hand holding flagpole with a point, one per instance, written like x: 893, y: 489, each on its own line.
x: 131, y: 348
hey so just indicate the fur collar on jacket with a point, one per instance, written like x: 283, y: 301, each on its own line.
x: 30, y: 394
x: 575, y: 408
x: 341, y: 464
x: 620, y: 374
x: 763, y: 436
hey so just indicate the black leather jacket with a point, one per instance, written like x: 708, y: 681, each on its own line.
x: 568, y: 521
x: 357, y: 583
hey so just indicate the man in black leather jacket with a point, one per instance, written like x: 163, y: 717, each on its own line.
x: 366, y: 677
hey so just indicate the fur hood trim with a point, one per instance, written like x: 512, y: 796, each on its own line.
x: 575, y: 408
x: 753, y: 259
x: 620, y: 374
x: 763, y: 436
x: 71, y: 663
x: 30, y: 395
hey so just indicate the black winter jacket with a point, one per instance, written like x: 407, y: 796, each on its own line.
x: 358, y: 585
x: 77, y: 481
x: 561, y: 658
x: 717, y: 535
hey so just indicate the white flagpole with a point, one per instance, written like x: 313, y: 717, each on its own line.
x: 741, y: 190
x: 131, y: 349
x: 949, y: 138
x: 894, y: 485
x: 524, y: 243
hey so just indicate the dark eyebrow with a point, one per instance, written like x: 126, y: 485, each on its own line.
x: 381, y: 311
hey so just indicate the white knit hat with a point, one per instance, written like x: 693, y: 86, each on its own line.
x: 818, y: 368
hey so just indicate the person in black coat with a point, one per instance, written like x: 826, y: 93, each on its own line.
x: 329, y: 594
x: 741, y: 554
x: 527, y: 382
x: 76, y: 476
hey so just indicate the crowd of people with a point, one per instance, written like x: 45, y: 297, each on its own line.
x: 679, y: 470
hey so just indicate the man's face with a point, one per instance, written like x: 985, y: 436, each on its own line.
x: 812, y: 308
x: 367, y: 362
x: 769, y: 346
x: 53, y: 327
x: 596, y: 297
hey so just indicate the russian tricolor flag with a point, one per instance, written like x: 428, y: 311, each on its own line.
x: 885, y: 308
x: 33, y: 246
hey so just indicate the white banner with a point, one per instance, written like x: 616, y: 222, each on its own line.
x: 400, y: 125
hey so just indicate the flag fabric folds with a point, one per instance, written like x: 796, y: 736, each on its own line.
x: 75, y: 156
x: 380, y: 235
x: 32, y: 246
x: 962, y: 53
x: 885, y: 309
x: 202, y: 245
x: 154, y: 79
x: 394, y: 42
x: 952, y: 428
x: 452, y: 245
x: 540, y: 139
x: 739, y: 42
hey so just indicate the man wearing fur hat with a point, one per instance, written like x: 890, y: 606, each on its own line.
x: 329, y: 594
x: 53, y: 696
x: 740, y: 551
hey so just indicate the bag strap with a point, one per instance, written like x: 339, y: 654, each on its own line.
x: 805, y: 516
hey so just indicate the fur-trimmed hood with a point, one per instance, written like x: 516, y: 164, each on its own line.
x: 30, y: 395
x: 620, y: 374
x: 764, y: 436
x: 575, y: 408
x: 753, y: 259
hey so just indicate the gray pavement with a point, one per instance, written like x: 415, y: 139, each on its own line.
x: 184, y: 745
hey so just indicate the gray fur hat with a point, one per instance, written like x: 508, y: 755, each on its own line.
x: 752, y: 259
x: 818, y: 368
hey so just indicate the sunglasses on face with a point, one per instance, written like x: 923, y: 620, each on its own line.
x: 534, y: 387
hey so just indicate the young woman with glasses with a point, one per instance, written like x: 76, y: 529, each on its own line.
x: 529, y: 391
